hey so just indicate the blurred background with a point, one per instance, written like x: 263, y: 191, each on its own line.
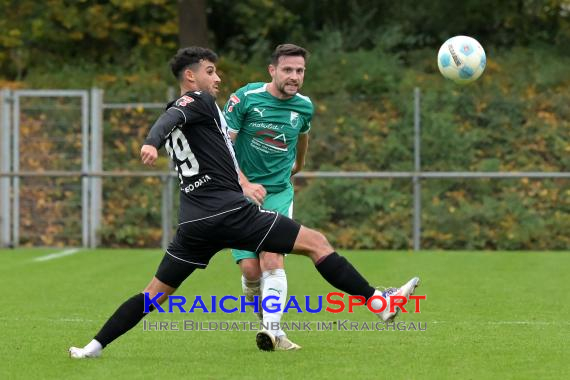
x: 367, y: 60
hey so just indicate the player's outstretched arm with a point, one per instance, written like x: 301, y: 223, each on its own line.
x: 163, y: 127
x: 302, y: 147
x: 158, y: 134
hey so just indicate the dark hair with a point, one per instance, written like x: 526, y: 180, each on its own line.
x: 190, y: 56
x: 288, y: 50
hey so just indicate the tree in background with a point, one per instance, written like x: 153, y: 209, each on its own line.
x: 55, y: 32
x: 143, y: 33
x: 192, y: 23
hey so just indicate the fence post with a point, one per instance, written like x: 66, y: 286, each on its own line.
x: 5, y: 167
x: 16, y: 168
x: 96, y: 198
x: 85, y: 167
x: 416, y: 179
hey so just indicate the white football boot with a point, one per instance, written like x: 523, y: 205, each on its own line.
x: 282, y: 343
x: 405, y: 290
x: 266, y: 341
x: 81, y: 353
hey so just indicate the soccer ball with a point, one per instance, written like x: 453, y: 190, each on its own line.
x: 461, y: 59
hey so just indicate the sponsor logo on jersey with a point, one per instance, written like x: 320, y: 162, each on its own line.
x: 276, y: 127
x: 197, y: 183
x: 184, y: 101
x: 294, y: 119
x: 273, y: 139
x: 259, y: 111
x: 232, y: 102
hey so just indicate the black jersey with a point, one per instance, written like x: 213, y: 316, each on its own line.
x: 195, y: 136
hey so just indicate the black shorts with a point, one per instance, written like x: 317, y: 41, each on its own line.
x: 248, y: 227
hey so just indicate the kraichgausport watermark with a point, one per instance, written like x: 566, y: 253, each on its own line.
x: 338, y: 325
x: 336, y: 303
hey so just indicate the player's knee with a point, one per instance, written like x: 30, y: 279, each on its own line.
x: 313, y: 244
x: 250, y: 269
x: 152, y: 293
x: 322, y: 244
x: 271, y: 261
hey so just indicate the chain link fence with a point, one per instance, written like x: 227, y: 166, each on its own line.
x: 70, y: 176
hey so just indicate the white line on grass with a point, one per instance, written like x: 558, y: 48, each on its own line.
x: 65, y: 320
x: 57, y: 255
x: 547, y: 323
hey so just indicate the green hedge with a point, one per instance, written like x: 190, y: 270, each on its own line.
x: 515, y: 118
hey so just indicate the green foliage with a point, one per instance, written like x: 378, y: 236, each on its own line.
x: 141, y: 33
x: 50, y: 135
x: 507, y: 121
x: 127, y: 33
x: 505, y: 214
x: 357, y: 213
x: 131, y: 206
x: 248, y: 32
x: 367, y: 58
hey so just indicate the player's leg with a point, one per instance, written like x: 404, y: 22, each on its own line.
x: 169, y: 276
x: 172, y: 271
x: 259, y: 230
x: 334, y: 268
x: 274, y: 278
x: 341, y: 274
x: 274, y: 283
x: 250, y: 276
x: 127, y: 316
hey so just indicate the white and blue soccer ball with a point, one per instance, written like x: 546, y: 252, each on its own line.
x: 461, y: 59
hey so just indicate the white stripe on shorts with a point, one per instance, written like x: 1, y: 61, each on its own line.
x: 269, y: 230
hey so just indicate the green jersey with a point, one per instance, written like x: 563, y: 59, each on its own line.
x: 268, y: 130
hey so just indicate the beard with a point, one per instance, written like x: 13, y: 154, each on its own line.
x: 281, y: 87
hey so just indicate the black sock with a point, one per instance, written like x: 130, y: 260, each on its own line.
x: 343, y: 276
x: 125, y: 318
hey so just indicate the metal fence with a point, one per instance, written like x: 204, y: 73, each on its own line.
x: 85, y: 169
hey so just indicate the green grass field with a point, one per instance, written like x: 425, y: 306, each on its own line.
x: 489, y: 315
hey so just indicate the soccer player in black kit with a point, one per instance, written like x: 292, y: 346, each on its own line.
x: 214, y: 212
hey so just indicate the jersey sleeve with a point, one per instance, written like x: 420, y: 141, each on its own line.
x: 185, y: 110
x: 306, y: 127
x: 234, y: 111
x: 162, y: 127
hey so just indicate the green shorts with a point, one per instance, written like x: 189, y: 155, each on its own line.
x: 281, y: 202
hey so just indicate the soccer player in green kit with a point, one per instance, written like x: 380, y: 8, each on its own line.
x: 269, y: 124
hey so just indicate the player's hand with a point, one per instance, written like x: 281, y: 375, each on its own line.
x: 149, y: 154
x: 255, y: 192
